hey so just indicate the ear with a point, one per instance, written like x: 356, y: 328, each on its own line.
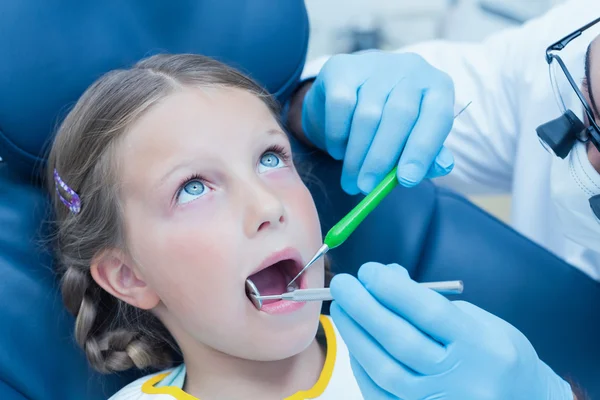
x: 114, y: 272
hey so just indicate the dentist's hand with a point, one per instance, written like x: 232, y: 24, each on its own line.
x: 376, y: 110
x: 407, y: 341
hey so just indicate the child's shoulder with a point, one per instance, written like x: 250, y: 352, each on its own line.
x: 141, y: 389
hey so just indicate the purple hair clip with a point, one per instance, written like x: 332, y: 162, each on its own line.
x: 74, y: 203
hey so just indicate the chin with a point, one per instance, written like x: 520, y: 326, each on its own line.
x: 288, y: 341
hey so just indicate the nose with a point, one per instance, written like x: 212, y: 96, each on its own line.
x: 264, y: 209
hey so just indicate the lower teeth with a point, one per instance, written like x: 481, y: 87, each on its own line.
x: 292, y: 287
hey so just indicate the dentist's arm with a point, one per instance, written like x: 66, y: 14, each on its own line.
x: 410, y: 342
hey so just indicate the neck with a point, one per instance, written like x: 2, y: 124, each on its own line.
x: 215, y: 375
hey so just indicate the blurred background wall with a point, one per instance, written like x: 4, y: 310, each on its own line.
x: 350, y: 25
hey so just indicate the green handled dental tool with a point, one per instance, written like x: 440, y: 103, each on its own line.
x: 344, y: 228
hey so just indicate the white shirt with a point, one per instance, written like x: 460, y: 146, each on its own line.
x: 494, y: 142
x: 335, y: 382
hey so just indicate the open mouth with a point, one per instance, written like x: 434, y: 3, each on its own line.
x: 275, y: 279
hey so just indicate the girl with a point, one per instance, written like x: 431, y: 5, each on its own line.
x: 173, y: 183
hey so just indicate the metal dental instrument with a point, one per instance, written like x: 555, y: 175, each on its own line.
x: 344, y: 228
x: 324, y: 294
x: 253, y: 294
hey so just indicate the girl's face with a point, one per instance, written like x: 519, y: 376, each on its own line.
x: 210, y: 197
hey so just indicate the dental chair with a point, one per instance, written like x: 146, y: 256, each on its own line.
x: 50, y: 54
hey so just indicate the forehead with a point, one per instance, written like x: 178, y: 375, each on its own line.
x: 594, y: 56
x: 207, y: 116
x: 593, y: 63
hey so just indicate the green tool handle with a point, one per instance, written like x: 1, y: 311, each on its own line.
x: 343, y: 229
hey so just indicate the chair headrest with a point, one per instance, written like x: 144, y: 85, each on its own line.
x: 52, y: 51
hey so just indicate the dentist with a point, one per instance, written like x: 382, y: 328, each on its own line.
x: 376, y: 110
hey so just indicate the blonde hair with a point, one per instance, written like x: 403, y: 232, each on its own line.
x: 115, y: 335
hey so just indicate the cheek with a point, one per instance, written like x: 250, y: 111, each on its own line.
x: 308, y: 210
x: 302, y: 209
x: 185, y: 260
x: 593, y: 156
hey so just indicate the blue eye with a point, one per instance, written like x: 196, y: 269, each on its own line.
x: 191, y: 191
x: 270, y: 161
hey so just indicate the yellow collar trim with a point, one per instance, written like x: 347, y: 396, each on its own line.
x: 314, y: 392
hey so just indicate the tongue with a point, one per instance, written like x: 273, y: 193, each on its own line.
x: 270, y: 281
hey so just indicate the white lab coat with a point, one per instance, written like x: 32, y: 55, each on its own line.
x: 494, y: 143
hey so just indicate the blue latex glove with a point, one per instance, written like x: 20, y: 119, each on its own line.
x: 407, y: 341
x: 378, y: 109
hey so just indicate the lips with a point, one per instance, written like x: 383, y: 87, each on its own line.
x: 275, y: 273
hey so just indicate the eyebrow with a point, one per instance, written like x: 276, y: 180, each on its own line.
x: 589, y: 81
x: 166, y: 176
x: 187, y: 163
x: 276, y: 132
